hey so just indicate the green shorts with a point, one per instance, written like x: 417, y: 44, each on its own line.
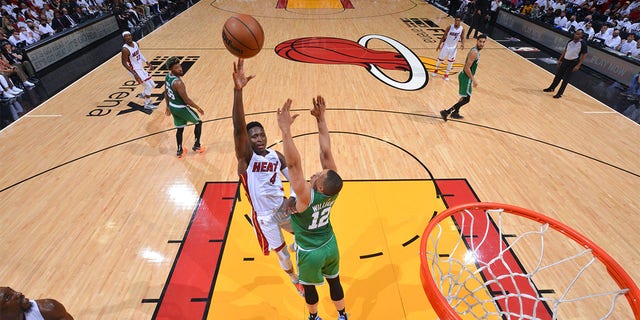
x: 464, y: 84
x: 183, y: 115
x: 317, y: 264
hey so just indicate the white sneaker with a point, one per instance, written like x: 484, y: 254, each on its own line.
x: 150, y: 106
x: 446, y: 77
x: 15, y: 90
x: 28, y: 84
x: 434, y: 74
x: 8, y: 95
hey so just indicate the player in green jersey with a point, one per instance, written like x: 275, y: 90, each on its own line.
x: 466, y: 80
x: 179, y: 105
x: 317, y: 252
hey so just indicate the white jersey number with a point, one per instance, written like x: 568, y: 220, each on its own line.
x: 320, y: 218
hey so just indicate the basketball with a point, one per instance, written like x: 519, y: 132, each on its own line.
x: 243, y: 36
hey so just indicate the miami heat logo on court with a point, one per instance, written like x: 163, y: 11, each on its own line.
x: 326, y: 50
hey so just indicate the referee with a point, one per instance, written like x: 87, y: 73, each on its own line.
x: 570, y: 61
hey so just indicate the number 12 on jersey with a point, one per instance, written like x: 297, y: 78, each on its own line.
x: 320, y: 219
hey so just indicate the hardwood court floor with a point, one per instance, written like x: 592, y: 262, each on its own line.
x: 92, y: 193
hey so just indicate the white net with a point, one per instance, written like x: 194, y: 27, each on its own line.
x: 492, y: 264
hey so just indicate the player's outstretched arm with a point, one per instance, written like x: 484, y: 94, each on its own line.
x: 294, y: 162
x: 326, y: 156
x: 240, y: 135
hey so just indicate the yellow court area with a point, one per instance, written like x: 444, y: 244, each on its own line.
x: 369, y: 219
x: 314, y: 4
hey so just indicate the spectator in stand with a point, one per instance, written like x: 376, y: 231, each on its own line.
x: 82, y: 3
x: 603, y: 34
x: 561, y: 20
x: 17, y: 60
x: 67, y: 18
x: 29, y: 35
x: 29, y: 12
x: 78, y: 15
x: 588, y: 30
x: 45, y: 28
x: 66, y: 4
x: 155, y: 8
x: 624, y: 10
x: 38, y: 3
x: 635, y: 52
x: 9, y: 90
x: 559, y: 5
x: 7, y: 6
x: 526, y: 8
x: 7, y: 69
x: 55, y: 5
x: 58, y: 23
x: 571, y: 23
x: 17, y: 40
x: 8, y: 23
x: 615, y: 40
x: 536, y: 12
x: 626, y: 46
x: 48, y: 12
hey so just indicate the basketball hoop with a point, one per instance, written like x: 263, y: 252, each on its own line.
x: 498, y: 261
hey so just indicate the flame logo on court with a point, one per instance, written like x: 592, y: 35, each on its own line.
x: 328, y: 50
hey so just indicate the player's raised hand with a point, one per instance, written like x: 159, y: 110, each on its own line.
x: 319, y: 107
x: 285, y: 119
x: 239, y: 78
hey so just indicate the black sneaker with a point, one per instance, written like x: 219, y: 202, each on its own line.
x: 557, y: 96
x: 181, y: 152
x: 456, y: 115
x: 198, y: 149
x: 444, y: 114
x: 547, y: 90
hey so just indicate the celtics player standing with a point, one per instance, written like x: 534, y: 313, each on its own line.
x: 317, y: 252
x: 466, y: 80
x: 179, y: 105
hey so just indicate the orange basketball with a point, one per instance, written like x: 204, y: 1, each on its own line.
x: 243, y: 36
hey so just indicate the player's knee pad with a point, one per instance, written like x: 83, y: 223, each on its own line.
x: 335, y: 289
x: 310, y: 294
x: 284, y: 258
x: 179, y: 132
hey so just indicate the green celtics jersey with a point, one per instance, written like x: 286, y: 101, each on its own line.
x: 174, y: 97
x: 462, y: 76
x: 474, y: 65
x: 312, y: 226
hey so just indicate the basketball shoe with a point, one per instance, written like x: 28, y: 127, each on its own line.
x: 150, y: 106
x: 444, y: 114
x: 181, y: 152
x: 343, y: 317
x: 446, y: 77
x: 456, y: 115
x: 434, y: 73
x: 198, y: 149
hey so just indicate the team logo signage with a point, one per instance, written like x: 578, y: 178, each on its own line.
x: 326, y: 50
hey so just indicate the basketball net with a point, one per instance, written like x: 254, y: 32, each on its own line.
x: 497, y: 261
